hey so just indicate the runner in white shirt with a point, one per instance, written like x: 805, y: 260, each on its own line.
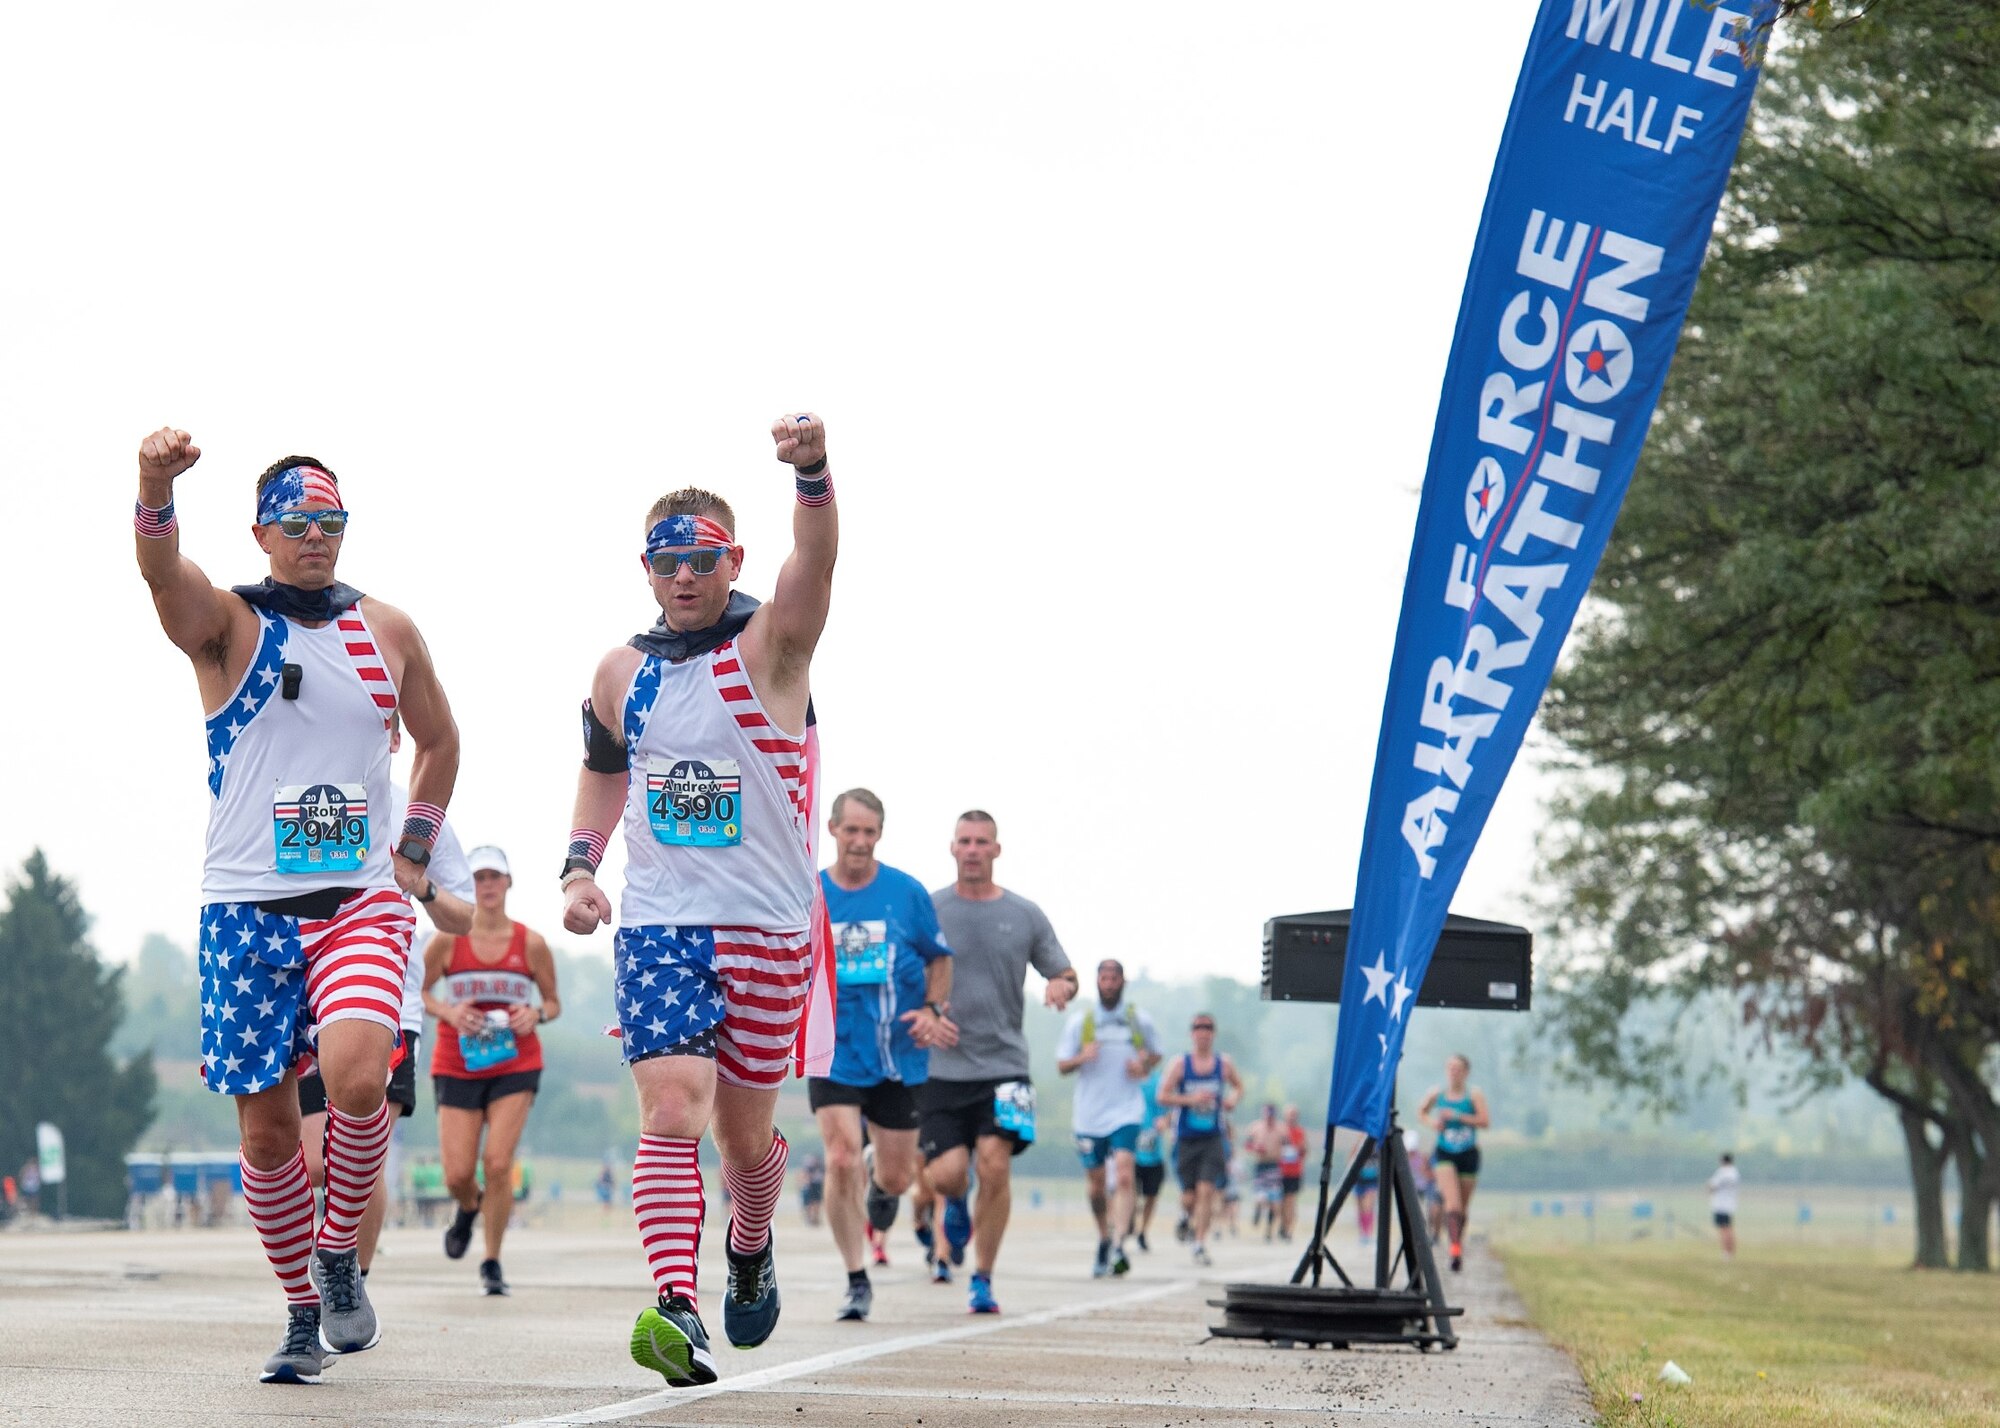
x: 1722, y: 1203
x: 1111, y: 1047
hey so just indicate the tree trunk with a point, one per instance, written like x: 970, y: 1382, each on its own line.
x: 1927, y: 1182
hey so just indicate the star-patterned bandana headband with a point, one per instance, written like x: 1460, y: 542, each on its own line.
x: 687, y: 530
x: 292, y: 489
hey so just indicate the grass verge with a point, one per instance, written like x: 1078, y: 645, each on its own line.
x: 1787, y: 1335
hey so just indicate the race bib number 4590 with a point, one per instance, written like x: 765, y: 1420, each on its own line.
x: 320, y: 827
x: 692, y: 803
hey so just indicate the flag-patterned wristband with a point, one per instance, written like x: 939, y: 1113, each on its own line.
x: 814, y: 483
x: 153, y: 524
x: 586, y: 849
x: 422, y: 822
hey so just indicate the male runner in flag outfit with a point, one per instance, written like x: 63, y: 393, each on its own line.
x: 700, y: 732
x: 305, y: 927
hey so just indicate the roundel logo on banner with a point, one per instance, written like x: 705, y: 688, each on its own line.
x: 1484, y: 495
x: 1598, y: 361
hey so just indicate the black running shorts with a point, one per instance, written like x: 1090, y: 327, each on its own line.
x: 888, y: 1104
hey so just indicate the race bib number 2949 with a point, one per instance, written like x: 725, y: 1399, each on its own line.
x: 320, y: 827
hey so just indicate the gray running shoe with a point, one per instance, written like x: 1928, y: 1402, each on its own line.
x: 347, y: 1320
x: 882, y: 1206
x: 671, y: 1341
x: 860, y: 1299
x: 300, y: 1358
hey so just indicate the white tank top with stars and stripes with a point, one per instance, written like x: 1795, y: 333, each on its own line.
x: 272, y: 760
x: 715, y: 802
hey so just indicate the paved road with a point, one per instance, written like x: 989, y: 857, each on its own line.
x: 167, y: 1329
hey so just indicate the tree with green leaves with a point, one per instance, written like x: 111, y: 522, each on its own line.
x: 63, y: 1008
x: 1784, y: 704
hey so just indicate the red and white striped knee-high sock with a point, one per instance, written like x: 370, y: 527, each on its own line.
x: 667, y: 1201
x: 281, y: 1207
x: 355, y: 1149
x: 753, y: 1197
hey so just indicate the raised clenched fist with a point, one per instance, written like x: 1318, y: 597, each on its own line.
x: 166, y: 453
x: 801, y: 438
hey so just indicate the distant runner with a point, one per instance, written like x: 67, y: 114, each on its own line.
x: 1203, y: 1086
x: 979, y: 1104
x: 1110, y: 1046
x: 893, y: 975
x: 486, y: 1063
x: 1457, y: 1113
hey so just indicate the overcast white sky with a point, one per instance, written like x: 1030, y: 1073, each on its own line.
x: 1127, y: 322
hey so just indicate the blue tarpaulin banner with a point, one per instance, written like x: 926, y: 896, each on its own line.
x: 1624, y: 125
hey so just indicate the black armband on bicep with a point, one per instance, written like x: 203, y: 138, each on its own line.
x: 602, y: 753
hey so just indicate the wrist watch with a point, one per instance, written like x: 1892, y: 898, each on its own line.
x: 934, y: 1008
x: 430, y: 893
x: 416, y: 850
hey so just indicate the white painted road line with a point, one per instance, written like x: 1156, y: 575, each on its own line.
x: 860, y: 1353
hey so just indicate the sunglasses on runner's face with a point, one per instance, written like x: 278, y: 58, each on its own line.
x: 292, y: 524
x: 1203, y: 1026
x: 667, y: 563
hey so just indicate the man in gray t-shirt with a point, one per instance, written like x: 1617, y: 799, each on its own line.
x: 978, y: 1107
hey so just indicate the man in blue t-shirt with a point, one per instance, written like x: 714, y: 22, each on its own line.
x: 892, y: 971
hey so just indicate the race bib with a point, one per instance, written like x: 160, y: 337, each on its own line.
x: 861, y: 954
x: 1014, y: 1109
x: 321, y: 827
x: 693, y: 804
x: 1149, y: 1141
x: 1201, y: 1120
x: 489, y: 1047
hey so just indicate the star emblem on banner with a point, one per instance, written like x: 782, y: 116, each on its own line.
x: 1402, y: 993
x: 1379, y: 977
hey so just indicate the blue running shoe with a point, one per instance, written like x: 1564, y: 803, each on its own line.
x: 981, y: 1300
x: 957, y: 1227
x: 940, y: 1270
x: 928, y: 1241
x: 750, y: 1305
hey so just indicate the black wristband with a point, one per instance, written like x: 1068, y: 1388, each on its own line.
x: 814, y: 469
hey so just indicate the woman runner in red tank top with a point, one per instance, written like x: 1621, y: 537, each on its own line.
x: 486, y: 1060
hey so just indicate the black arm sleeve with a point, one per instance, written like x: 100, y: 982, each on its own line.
x: 602, y: 753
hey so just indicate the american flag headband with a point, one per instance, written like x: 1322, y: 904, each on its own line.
x: 292, y: 489
x: 686, y: 531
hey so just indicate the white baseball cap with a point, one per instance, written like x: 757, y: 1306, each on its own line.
x: 488, y: 859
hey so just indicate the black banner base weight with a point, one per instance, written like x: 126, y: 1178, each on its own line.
x: 1312, y: 1315
x: 1385, y: 1312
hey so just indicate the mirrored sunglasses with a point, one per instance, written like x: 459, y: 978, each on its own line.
x: 666, y: 563
x: 292, y: 524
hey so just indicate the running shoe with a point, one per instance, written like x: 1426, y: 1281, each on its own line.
x: 750, y: 1306
x: 981, y: 1300
x: 860, y: 1299
x: 459, y: 1234
x: 940, y: 1270
x: 1201, y: 1255
x: 1120, y: 1263
x: 1102, y: 1267
x: 878, y: 1247
x: 671, y: 1342
x: 490, y: 1280
x: 347, y: 1322
x: 1144, y: 1248
x: 300, y: 1358
x: 1184, y: 1231
x: 1457, y: 1257
x: 957, y: 1227
x: 927, y: 1239
x: 882, y: 1206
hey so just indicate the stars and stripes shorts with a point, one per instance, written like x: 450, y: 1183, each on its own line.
x: 269, y: 982
x: 736, y: 994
